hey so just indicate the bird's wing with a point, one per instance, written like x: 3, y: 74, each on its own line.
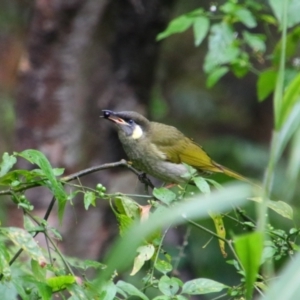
x: 180, y: 149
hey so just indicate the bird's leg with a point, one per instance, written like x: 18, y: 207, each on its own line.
x: 145, y: 180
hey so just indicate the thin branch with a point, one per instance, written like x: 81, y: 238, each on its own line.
x: 122, y: 163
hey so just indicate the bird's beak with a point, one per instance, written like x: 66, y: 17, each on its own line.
x: 110, y: 115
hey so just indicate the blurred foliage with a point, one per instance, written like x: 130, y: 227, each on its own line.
x: 242, y: 37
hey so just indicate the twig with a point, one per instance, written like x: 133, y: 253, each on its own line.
x: 122, y: 163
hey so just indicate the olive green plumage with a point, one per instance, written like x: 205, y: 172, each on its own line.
x: 162, y: 150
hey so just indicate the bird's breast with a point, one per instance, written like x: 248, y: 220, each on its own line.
x: 149, y: 159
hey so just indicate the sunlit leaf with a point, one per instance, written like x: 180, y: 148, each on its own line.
x: 249, y: 249
x: 145, y: 253
x: 282, y: 208
x: 220, y: 229
x: 38, y: 158
x: 131, y: 290
x: 7, y: 163
x: 24, y: 240
x: 163, y: 266
x: 180, y: 24
x: 164, y: 195
x: 221, y: 46
x: 293, y: 8
x: 202, y: 286
x: 169, y: 286
x: 58, y: 283
x: 89, y: 199
x: 255, y: 41
x: 200, y: 26
x: 245, y: 16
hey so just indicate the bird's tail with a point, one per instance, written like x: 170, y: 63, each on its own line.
x: 235, y: 175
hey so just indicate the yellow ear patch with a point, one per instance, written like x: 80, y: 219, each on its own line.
x: 137, y: 132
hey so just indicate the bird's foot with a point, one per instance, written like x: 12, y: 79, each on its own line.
x: 145, y: 180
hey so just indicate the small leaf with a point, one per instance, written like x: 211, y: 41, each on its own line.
x: 290, y: 97
x: 200, y: 26
x: 38, y: 272
x: 164, y: 195
x: 7, y: 163
x: 221, y: 45
x: 107, y: 291
x: 58, y: 283
x: 202, y: 184
x: 38, y: 158
x: 202, y: 286
x: 131, y: 290
x: 127, y: 206
x: 169, y: 286
x: 215, y: 75
x: 282, y: 208
x: 24, y: 240
x: 249, y: 249
x: 293, y: 6
x: 245, y: 16
x: 4, y: 264
x: 89, y: 199
x: 266, y: 84
x: 163, y: 266
x: 220, y: 229
x: 124, y: 223
x: 145, y: 253
x: 180, y: 24
x: 255, y: 41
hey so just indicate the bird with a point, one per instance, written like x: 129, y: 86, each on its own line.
x: 161, y: 150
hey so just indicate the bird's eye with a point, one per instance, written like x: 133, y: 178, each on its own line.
x: 130, y: 121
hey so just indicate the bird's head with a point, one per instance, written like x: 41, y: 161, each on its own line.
x: 129, y: 123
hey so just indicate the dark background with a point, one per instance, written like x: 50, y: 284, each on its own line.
x: 62, y: 62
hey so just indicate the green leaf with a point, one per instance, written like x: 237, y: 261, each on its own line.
x: 127, y: 206
x: 131, y: 290
x: 202, y: 286
x: 169, y: 286
x: 255, y: 41
x: 200, y: 26
x: 164, y: 195
x: 7, y: 163
x: 180, y: 24
x: 163, y: 266
x: 107, y: 291
x: 290, y: 97
x: 266, y: 84
x: 89, y: 199
x: 58, y: 283
x: 249, y: 249
x: 221, y: 46
x: 245, y: 16
x: 202, y: 184
x: 195, y: 207
x: 215, y: 75
x: 4, y: 264
x: 24, y: 240
x: 293, y: 7
x: 124, y: 223
x: 288, y: 129
x: 38, y: 272
x: 38, y: 158
x: 162, y: 297
x: 145, y: 253
x: 282, y: 208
